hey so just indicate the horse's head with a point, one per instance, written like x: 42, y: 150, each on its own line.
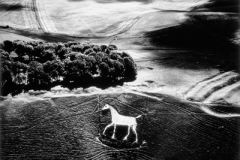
x: 106, y: 107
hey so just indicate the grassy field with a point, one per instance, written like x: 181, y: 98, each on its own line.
x: 80, y: 18
x: 208, y: 76
x: 12, y: 13
x: 71, y: 127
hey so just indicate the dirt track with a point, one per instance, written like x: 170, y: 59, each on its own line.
x: 71, y: 127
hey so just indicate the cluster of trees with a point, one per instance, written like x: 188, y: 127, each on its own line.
x: 41, y: 64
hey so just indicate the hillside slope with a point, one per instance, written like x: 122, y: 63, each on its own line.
x: 70, y: 127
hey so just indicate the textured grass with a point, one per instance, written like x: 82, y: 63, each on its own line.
x: 70, y: 128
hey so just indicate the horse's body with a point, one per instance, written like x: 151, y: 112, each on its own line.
x: 118, y: 119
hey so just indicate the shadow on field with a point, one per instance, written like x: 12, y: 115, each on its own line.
x: 99, y: 82
x: 204, y: 28
x: 207, y: 38
x: 11, y: 6
x: 15, y: 89
x: 219, y: 6
x: 200, y: 31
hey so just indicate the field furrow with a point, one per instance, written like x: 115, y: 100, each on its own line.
x: 30, y: 16
x: 220, y: 88
x: 44, y: 18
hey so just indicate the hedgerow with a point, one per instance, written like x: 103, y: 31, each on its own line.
x: 28, y: 65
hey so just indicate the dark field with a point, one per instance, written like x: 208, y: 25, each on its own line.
x: 71, y: 128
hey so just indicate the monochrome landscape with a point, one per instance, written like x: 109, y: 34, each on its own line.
x: 120, y: 79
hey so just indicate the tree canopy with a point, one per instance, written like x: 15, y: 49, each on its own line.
x: 43, y: 63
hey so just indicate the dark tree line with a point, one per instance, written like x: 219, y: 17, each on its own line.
x: 40, y: 65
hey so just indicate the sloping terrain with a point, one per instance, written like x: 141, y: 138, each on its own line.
x: 70, y: 127
x: 187, y: 74
x: 11, y: 13
x: 220, y: 88
x: 80, y: 18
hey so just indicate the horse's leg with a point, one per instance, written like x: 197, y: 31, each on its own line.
x: 114, y: 130
x: 125, y: 138
x: 107, y: 128
x: 134, y: 130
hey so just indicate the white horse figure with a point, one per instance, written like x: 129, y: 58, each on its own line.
x: 118, y: 119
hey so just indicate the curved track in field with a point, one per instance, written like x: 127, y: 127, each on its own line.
x: 218, y: 88
x: 36, y: 11
x: 36, y: 17
x: 31, y: 18
x: 43, y: 17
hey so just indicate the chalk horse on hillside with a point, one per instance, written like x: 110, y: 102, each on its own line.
x: 118, y: 119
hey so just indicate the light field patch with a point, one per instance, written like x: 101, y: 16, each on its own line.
x: 95, y: 18
x: 11, y: 13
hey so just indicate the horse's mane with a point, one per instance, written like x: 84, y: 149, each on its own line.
x: 114, y: 108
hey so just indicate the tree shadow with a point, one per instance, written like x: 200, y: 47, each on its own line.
x: 102, y: 83
x: 99, y: 82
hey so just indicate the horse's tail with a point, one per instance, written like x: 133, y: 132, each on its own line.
x: 139, y: 116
